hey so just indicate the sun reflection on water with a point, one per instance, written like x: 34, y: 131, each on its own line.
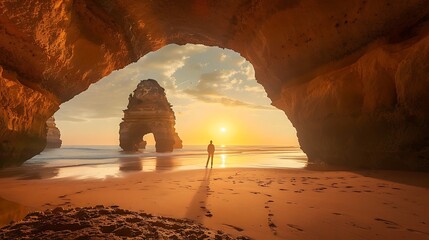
x: 223, y: 160
x: 94, y: 171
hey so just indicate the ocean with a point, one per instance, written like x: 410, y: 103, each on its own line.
x: 83, y: 162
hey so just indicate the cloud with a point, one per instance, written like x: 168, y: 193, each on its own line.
x: 212, y: 86
x: 208, y: 74
x: 248, y: 70
x: 213, y: 83
x: 166, y: 61
x: 253, y: 89
x: 229, y: 102
x: 222, y: 57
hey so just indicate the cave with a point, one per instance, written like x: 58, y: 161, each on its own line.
x: 352, y: 76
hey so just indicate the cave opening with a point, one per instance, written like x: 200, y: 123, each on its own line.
x: 213, y: 92
x: 210, y: 89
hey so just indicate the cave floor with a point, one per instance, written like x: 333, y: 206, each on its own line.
x: 259, y: 203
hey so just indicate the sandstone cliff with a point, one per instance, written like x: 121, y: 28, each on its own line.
x: 148, y: 111
x: 53, y: 135
x: 352, y: 76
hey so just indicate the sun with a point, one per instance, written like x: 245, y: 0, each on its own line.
x: 222, y: 129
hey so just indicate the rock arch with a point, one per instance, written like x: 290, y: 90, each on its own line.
x: 149, y: 111
x: 350, y: 75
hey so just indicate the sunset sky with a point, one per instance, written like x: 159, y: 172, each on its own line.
x: 213, y: 92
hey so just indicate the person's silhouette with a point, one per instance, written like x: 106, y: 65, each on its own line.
x: 210, y: 151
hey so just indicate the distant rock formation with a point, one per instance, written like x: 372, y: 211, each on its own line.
x: 53, y: 135
x: 148, y: 111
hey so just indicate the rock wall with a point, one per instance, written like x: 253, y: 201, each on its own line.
x: 351, y: 75
x: 148, y: 111
x: 23, y: 113
x: 53, y: 135
x: 375, y: 109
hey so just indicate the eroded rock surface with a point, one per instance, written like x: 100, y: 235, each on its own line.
x: 148, y: 111
x: 106, y: 223
x: 371, y: 113
x: 352, y: 76
x: 53, y: 136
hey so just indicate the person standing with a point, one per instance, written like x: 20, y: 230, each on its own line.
x: 210, y: 151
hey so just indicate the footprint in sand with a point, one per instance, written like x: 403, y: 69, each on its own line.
x: 272, y: 226
x: 321, y: 189
x: 417, y: 231
x: 255, y: 192
x: 270, y: 215
x: 239, y: 229
x: 390, y: 224
x: 353, y: 224
x: 295, y: 227
x: 64, y: 204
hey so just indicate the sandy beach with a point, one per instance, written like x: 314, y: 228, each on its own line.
x: 258, y: 203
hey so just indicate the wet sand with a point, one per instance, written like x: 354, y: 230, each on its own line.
x: 259, y: 203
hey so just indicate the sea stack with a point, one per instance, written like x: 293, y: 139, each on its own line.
x: 53, y: 135
x: 149, y: 111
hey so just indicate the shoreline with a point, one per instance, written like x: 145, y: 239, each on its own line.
x: 259, y: 203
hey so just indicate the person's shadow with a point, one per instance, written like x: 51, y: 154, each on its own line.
x: 198, y: 206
